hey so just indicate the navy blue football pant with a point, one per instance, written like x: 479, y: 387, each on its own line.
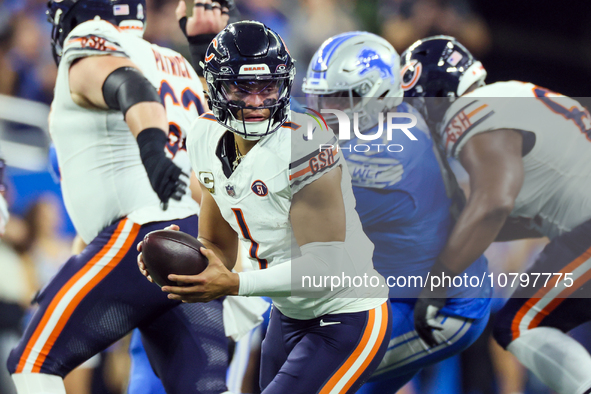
x: 99, y: 296
x: 559, y: 301
x: 334, y: 353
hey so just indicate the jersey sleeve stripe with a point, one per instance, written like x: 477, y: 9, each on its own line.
x: 457, y: 143
x: 456, y: 114
x: 299, y: 162
x: 297, y: 182
x: 308, y: 168
x: 291, y: 125
x: 75, y: 39
x: 209, y: 116
x: 300, y: 173
x: 477, y: 110
x: 81, y: 50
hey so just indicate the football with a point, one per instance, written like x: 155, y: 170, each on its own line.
x: 172, y: 252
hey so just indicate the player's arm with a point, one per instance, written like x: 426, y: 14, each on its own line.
x: 215, y: 233
x: 88, y: 77
x: 495, y: 166
x: 318, y: 221
x: 493, y: 161
x: 201, y: 27
x: 113, y: 82
x: 319, y: 226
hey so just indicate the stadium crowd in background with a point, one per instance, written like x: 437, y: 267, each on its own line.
x: 36, y: 238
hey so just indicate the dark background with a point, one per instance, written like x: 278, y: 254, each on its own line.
x: 544, y: 42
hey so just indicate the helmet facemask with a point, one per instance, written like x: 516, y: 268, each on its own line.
x: 358, y: 102
x: 251, y: 106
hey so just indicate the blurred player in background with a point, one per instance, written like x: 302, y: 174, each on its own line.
x: 4, y: 215
x: 526, y: 150
x: 404, y: 195
x: 122, y: 158
x: 263, y: 182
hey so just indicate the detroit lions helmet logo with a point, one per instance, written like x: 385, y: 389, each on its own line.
x: 370, y: 60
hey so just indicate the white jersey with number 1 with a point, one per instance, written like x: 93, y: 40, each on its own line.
x: 103, y: 178
x: 256, y: 199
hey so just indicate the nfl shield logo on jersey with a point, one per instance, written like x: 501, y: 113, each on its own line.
x: 230, y: 190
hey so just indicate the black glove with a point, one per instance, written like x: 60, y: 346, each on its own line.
x: 164, y: 175
x: 198, y: 44
x: 428, y: 305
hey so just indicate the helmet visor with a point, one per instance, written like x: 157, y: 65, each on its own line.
x: 254, y: 93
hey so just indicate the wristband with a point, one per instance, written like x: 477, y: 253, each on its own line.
x: 151, y: 141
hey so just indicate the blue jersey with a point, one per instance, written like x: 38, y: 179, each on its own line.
x: 405, y: 210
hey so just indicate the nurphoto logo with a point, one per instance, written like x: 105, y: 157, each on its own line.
x: 385, y: 129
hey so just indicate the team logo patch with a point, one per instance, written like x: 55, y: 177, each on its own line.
x: 370, y: 60
x: 121, y: 9
x: 206, y: 179
x: 230, y: 190
x: 259, y: 188
x: 454, y: 58
x: 411, y: 74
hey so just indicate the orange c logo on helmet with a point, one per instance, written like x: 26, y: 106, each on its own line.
x: 416, y: 68
x: 211, y: 56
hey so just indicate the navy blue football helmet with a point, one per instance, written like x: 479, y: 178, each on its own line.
x: 248, y: 59
x: 441, y: 68
x: 65, y: 15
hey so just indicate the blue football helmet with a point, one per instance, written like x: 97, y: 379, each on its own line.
x: 65, y: 15
x: 441, y: 68
x: 248, y: 59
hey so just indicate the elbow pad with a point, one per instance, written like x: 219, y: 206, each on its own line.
x: 126, y: 87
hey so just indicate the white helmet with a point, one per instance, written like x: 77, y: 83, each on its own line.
x: 358, y: 72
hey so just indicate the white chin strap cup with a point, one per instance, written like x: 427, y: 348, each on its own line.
x: 38, y: 383
x: 474, y: 73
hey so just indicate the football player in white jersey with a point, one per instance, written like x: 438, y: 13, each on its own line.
x: 526, y: 150
x: 118, y: 121
x: 268, y: 183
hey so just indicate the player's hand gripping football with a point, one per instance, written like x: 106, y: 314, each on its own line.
x: 208, y: 17
x: 140, y: 257
x: 216, y: 281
